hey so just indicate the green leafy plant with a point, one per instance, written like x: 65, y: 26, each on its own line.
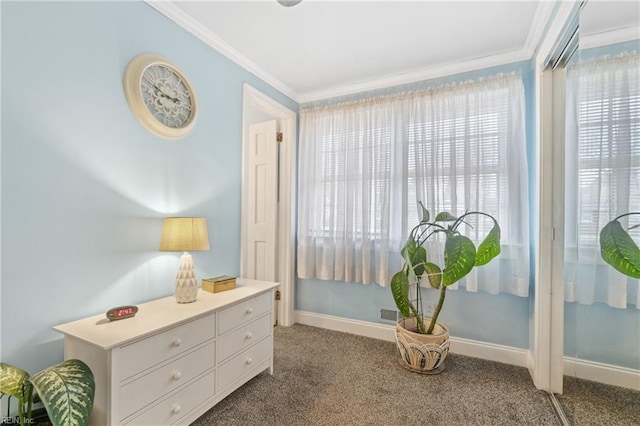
x: 618, y: 249
x: 66, y: 390
x: 460, y: 257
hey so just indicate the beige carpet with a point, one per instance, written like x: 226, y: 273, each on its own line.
x: 592, y: 404
x: 324, y: 377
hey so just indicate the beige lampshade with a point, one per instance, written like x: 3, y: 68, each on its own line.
x: 184, y: 234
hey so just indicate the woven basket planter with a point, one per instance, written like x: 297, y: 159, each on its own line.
x: 422, y: 353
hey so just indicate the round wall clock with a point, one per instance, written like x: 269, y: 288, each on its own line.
x: 160, y: 96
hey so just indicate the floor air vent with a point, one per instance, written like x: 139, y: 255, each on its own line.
x: 388, y: 315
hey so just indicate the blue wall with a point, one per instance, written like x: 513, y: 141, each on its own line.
x: 603, y: 334
x: 85, y: 187
x: 501, y: 319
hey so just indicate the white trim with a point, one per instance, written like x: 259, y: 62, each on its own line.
x: 346, y: 325
x: 602, y: 373
x: 566, y: 12
x: 545, y: 329
x: 557, y: 235
x: 252, y: 98
x: 536, y: 31
x: 489, y: 351
x: 460, y: 346
x: 186, y: 21
x: 416, y: 76
x: 619, y: 35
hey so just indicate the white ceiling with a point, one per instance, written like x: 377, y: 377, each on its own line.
x: 605, y: 22
x: 319, y: 49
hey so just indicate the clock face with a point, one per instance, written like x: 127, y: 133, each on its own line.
x: 166, y: 96
x: 160, y: 96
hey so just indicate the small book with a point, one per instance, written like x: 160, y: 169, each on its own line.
x: 218, y: 284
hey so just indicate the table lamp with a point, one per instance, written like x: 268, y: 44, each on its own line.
x: 185, y: 234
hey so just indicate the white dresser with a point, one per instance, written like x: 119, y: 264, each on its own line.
x: 172, y: 362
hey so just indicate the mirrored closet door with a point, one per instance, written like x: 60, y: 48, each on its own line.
x: 601, y: 183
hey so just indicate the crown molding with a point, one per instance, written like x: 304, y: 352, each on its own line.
x: 186, y: 21
x: 567, y: 10
x: 605, y: 38
x: 416, y: 76
x: 539, y: 24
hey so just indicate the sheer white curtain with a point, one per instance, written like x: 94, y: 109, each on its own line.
x: 363, y: 166
x: 602, y: 174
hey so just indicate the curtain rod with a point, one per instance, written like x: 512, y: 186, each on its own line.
x: 465, y: 84
x: 622, y: 57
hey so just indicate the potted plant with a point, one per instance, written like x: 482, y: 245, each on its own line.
x: 618, y: 249
x: 423, y: 343
x: 66, y: 391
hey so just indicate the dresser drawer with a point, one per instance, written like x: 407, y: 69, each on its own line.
x: 242, y: 363
x: 146, y: 353
x: 150, y: 387
x: 241, y: 313
x: 173, y: 408
x: 243, y: 337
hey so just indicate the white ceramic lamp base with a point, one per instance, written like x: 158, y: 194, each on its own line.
x: 186, y: 283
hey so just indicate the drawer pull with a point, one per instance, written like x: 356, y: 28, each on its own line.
x: 249, y: 311
x: 249, y: 335
x: 249, y: 361
x: 176, y: 409
x: 177, y: 342
x: 177, y: 375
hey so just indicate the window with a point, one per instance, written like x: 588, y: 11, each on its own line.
x: 603, y: 164
x: 365, y: 165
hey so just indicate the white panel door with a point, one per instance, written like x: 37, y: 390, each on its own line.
x: 263, y: 203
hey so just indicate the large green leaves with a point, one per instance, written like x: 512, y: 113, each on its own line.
x: 490, y: 247
x: 619, y: 250
x: 408, y: 252
x: 460, y: 256
x: 400, y: 291
x: 419, y: 260
x: 67, y: 390
x: 414, y: 256
x: 14, y: 380
x: 434, y: 274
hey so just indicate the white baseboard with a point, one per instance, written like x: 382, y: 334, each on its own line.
x: 360, y: 328
x: 588, y: 370
x: 473, y: 348
x: 602, y: 373
x: 530, y: 363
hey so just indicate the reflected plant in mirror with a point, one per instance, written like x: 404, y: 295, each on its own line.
x: 618, y: 249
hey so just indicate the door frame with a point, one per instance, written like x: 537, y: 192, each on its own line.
x: 546, y: 352
x: 252, y: 98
